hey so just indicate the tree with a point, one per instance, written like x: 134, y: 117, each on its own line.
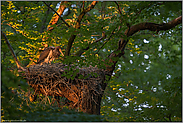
x: 134, y: 47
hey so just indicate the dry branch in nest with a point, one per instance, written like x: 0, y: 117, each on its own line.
x: 83, y: 86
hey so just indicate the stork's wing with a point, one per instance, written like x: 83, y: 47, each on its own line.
x: 43, y: 55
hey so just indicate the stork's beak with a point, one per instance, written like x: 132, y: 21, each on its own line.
x: 61, y: 52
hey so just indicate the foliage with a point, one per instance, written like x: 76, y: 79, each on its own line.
x: 146, y: 85
x: 151, y: 88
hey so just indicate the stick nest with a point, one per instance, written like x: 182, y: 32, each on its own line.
x: 79, y: 85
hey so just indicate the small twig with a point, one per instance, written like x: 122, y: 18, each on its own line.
x: 106, y: 41
x: 119, y: 9
x: 137, y: 13
x: 80, y: 52
x: 94, y: 100
x: 46, y: 94
x: 75, y: 103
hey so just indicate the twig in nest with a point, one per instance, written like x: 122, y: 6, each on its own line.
x: 71, y: 89
x: 75, y: 103
x: 46, y: 94
x: 94, y: 100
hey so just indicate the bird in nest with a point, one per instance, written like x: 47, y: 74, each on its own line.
x: 49, y: 54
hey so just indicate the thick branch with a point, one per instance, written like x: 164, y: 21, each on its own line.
x: 69, y: 45
x: 12, y: 52
x: 113, y: 57
x: 154, y: 26
x: 77, y: 26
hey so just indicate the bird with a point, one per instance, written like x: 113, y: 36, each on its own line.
x: 49, y: 54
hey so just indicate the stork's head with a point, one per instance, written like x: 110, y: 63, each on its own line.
x: 59, y: 49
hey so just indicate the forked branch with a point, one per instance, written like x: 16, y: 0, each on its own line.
x: 132, y: 30
x: 77, y: 26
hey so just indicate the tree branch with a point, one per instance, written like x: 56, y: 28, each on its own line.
x: 61, y: 9
x: 77, y: 26
x: 69, y: 45
x: 106, y: 41
x: 138, y: 12
x: 119, y: 9
x: 114, y: 56
x: 80, y: 52
x: 154, y: 26
x: 12, y: 52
